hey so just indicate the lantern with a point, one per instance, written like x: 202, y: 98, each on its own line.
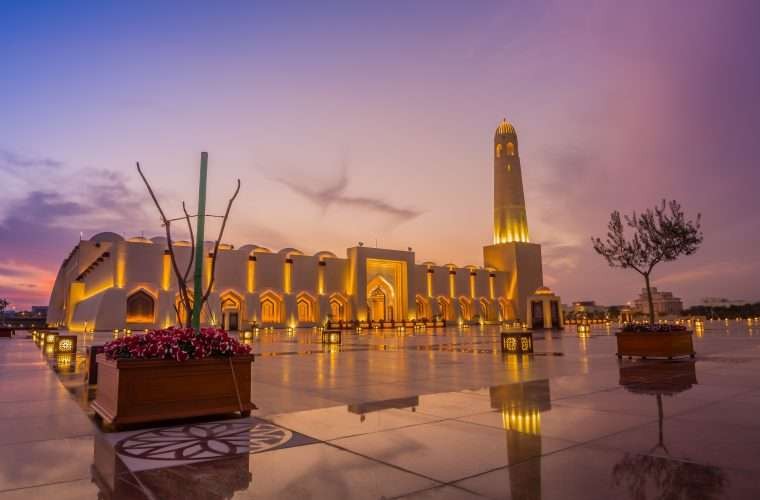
x: 331, y: 337
x: 517, y: 342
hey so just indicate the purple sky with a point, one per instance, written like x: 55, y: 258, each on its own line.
x: 375, y: 122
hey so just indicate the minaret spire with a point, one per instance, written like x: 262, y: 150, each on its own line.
x: 510, y: 218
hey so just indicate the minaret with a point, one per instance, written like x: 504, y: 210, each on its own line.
x: 510, y: 222
x: 511, y: 250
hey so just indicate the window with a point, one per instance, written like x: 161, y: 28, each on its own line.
x: 510, y: 149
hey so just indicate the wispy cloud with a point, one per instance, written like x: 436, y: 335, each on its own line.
x: 12, y: 159
x: 336, y: 193
x: 38, y: 228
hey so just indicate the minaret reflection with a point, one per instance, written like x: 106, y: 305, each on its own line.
x: 521, y: 406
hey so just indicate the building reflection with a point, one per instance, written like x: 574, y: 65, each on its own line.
x: 521, y: 406
x: 669, y: 478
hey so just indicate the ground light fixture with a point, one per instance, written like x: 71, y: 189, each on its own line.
x: 517, y: 342
x: 331, y: 337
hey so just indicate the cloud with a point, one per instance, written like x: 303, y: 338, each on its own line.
x: 335, y: 193
x: 710, y: 271
x: 13, y: 159
x: 39, y: 228
x: 25, y: 284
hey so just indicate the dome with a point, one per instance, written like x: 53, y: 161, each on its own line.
x: 106, y: 236
x: 140, y: 239
x: 505, y: 128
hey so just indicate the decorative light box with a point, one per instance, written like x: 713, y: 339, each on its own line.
x: 331, y: 337
x: 517, y: 342
x: 66, y: 344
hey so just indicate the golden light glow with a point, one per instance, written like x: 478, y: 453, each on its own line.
x: 452, y: 284
x: 321, y: 279
x: 472, y: 285
x: 251, y: 278
x: 522, y: 421
x: 121, y: 268
x: 287, y: 276
x: 430, y: 283
x: 166, y: 271
x: 491, y: 286
x: 65, y: 345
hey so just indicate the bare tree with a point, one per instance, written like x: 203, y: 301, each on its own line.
x: 661, y: 234
x: 185, y: 295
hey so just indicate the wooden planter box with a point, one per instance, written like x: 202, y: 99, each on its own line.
x: 136, y: 391
x: 655, y: 344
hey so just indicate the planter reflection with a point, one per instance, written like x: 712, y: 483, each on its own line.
x: 670, y: 478
x: 213, y: 479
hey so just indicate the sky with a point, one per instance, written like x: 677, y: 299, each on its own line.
x: 374, y: 122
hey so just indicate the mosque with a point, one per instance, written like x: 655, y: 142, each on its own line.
x: 109, y: 282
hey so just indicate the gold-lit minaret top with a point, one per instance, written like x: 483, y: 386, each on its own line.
x: 510, y: 222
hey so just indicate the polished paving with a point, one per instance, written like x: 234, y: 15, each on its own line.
x: 416, y: 414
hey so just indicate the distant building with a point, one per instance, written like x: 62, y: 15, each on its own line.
x: 722, y: 302
x: 665, y: 304
x: 588, y: 307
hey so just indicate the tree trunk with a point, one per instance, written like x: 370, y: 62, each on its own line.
x: 649, y: 298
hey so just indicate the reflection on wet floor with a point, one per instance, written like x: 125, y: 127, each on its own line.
x: 423, y: 416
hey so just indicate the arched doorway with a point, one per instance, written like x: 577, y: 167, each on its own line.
x: 140, y: 307
x: 465, y: 306
x: 271, y: 308
x: 338, y: 308
x: 444, y: 308
x: 423, y: 308
x: 306, y: 308
x: 231, y: 305
x: 380, y: 300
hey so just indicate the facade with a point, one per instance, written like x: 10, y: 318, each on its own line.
x: 109, y: 282
x: 665, y: 304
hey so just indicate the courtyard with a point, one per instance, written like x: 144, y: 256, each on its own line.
x: 437, y: 413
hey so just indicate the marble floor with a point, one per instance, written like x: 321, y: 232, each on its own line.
x: 433, y: 414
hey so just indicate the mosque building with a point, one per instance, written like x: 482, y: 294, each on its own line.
x: 109, y: 282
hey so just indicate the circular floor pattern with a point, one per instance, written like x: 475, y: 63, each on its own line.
x: 203, y: 441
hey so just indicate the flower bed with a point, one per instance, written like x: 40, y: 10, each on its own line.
x: 652, y: 328
x: 176, y: 344
x: 173, y: 373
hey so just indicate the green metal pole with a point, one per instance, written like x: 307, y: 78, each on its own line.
x: 199, y: 254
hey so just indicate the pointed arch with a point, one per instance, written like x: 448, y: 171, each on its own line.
x: 306, y: 308
x: 506, y: 310
x: 465, y: 308
x: 141, y: 307
x: 510, y: 149
x: 380, y: 299
x: 486, y: 309
x: 231, y: 304
x: 339, y: 307
x: 444, y: 308
x: 423, y: 307
x: 271, y: 308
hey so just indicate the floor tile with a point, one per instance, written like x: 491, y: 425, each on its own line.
x: 583, y: 473
x: 450, y: 450
x: 569, y: 423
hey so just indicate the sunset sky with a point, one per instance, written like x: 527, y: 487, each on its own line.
x: 374, y: 121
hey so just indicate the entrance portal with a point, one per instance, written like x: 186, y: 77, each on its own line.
x: 377, y: 305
